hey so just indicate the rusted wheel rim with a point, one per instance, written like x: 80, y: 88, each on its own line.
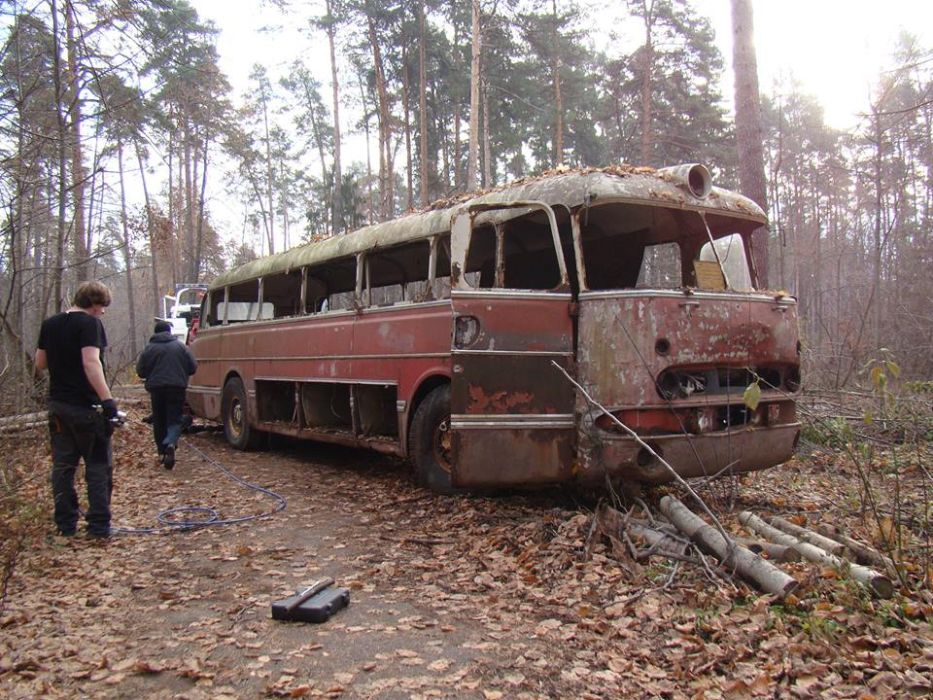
x: 442, y: 445
x: 236, y: 417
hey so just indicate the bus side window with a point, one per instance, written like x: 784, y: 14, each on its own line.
x: 206, y: 314
x: 440, y: 288
x: 336, y: 279
x: 519, y: 255
x: 481, y: 258
x: 397, y: 274
x: 242, y: 299
x: 530, y: 258
x: 315, y: 295
x: 284, y: 292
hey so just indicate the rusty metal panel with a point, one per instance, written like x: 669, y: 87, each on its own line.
x: 508, y: 384
x: 517, y: 321
x: 507, y: 398
x: 619, y: 334
x: 512, y: 456
x: 627, y: 339
x: 736, y: 451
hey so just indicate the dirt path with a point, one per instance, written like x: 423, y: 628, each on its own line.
x: 450, y: 597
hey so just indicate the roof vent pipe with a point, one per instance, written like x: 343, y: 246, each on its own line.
x: 694, y: 177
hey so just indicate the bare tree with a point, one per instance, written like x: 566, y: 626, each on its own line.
x: 748, y: 125
x: 477, y: 48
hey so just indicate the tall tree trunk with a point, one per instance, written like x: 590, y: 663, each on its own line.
x: 406, y: 107
x: 748, y: 125
x: 647, y: 57
x: 78, y: 174
x: 440, y: 128
x: 172, y: 204
x: 58, y: 269
x: 877, y: 229
x: 270, y: 230
x: 369, y: 163
x: 476, y: 52
x: 454, y: 156
x: 337, y: 204
x: 487, y: 147
x: 187, y: 249
x: 558, y: 100
x: 156, y: 297
x: 180, y: 245
x: 199, y: 239
x: 425, y: 161
x: 385, y: 129
x: 127, y: 259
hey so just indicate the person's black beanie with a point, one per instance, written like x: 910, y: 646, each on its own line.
x: 162, y: 327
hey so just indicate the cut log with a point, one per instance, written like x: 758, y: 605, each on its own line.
x: 24, y: 418
x: 12, y: 424
x: 862, y: 553
x: 876, y: 582
x: 814, y: 538
x: 765, y: 575
x: 774, y: 551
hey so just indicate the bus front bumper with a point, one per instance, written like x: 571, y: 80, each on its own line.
x: 711, y: 454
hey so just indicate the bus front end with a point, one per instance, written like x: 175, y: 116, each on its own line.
x: 706, y: 380
x: 675, y: 343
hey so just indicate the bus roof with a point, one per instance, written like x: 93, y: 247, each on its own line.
x: 572, y: 188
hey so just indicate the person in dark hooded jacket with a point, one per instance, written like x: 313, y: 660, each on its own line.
x: 165, y: 364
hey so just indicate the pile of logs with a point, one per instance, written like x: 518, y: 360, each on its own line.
x: 753, y: 560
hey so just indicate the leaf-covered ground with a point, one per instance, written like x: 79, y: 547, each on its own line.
x: 513, y: 596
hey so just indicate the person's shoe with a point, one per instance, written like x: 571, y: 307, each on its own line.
x: 98, y: 535
x: 168, y: 459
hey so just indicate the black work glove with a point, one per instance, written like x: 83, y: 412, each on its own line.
x: 109, y: 407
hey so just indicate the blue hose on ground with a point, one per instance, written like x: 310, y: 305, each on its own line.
x: 210, y: 517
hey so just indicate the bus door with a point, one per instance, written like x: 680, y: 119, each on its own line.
x: 511, y: 408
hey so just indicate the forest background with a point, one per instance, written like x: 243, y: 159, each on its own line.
x: 115, y: 116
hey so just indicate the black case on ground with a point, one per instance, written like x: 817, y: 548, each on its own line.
x: 317, y: 608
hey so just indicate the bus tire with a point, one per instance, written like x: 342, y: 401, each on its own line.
x: 429, y: 441
x: 234, y: 408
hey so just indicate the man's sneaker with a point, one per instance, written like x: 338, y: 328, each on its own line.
x: 168, y: 459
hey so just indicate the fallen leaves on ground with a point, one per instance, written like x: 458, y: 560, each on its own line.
x: 511, y: 596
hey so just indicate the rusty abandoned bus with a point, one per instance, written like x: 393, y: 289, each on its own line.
x: 438, y: 336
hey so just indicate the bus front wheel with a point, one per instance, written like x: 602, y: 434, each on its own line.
x: 429, y: 442
x: 234, y: 407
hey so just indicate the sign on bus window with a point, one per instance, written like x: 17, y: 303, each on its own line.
x: 236, y: 311
x: 731, y: 252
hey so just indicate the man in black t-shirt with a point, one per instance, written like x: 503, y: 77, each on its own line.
x: 81, y: 407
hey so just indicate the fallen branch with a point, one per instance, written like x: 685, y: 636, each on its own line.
x: 749, y: 565
x: 801, y: 533
x: 878, y: 583
x: 24, y: 421
x: 862, y: 553
x: 775, y: 552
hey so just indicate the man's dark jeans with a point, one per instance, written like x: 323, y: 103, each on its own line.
x: 168, y: 402
x: 78, y: 432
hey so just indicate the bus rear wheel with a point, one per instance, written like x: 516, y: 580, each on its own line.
x: 429, y: 441
x: 235, y: 413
